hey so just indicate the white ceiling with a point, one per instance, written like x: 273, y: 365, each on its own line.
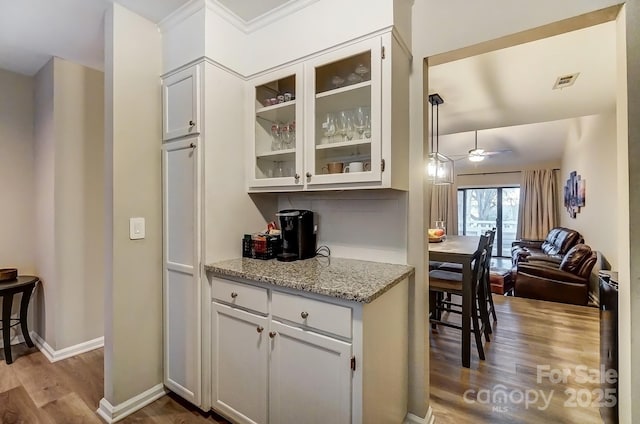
x: 32, y: 31
x: 504, y: 89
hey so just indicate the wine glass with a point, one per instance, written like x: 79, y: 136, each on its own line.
x: 275, y: 137
x: 360, y: 121
x: 329, y: 126
x: 292, y: 134
x: 367, y: 127
x: 343, y: 124
x: 285, y: 136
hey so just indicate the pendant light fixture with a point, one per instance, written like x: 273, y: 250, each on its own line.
x: 475, y: 154
x: 439, y: 167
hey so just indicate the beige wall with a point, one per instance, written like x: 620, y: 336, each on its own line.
x: 133, y: 304
x: 590, y: 150
x: 44, y: 165
x: 69, y: 218
x: 17, y: 172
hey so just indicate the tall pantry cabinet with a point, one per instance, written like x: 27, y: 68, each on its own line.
x: 182, y: 227
x: 206, y: 211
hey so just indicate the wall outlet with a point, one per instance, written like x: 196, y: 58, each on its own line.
x: 136, y: 228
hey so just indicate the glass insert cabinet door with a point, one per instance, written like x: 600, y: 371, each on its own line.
x: 343, y: 106
x: 276, y: 151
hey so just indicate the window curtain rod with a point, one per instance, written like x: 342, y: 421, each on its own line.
x: 499, y: 172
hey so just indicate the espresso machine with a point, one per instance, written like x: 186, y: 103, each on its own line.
x: 298, y: 231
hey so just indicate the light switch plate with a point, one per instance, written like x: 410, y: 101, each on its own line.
x: 136, y: 228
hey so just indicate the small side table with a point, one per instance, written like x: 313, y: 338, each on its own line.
x: 23, y: 284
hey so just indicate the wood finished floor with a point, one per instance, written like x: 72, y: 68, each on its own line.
x: 528, y: 333
x: 35, y: 391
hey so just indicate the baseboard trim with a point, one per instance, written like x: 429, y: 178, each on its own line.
x: 57, y: 355
x: 112, y: 414
x: 414, y: 419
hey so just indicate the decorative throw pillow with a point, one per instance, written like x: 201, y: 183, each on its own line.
x: 572, y: 261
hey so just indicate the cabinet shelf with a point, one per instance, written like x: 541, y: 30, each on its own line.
x: 275, y: 155
x: 343, y: 89
x: 283, y: 112
x: 343, y: 144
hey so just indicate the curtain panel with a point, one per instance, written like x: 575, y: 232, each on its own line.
x: 444, y: 207
x: 538, y: 212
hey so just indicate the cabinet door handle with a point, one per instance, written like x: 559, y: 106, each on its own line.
x: 272, y: 334
x: 297, y: 176
x: 192, y: 145
x: 192, y: 124
x: 234, y: 295
x: 304, y: 315
x: 260, y: 329
x: 309, y: 175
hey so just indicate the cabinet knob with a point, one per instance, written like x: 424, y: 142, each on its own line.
x: 309, y: 175
x: 272, y: 334
x: 192, y: 124
x: 192, y: 145
x: 260, y: 329
x: 297, y: 176
x: 234, y: 295
x: 304, y: 315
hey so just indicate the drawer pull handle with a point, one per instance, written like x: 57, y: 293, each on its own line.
x: 272, y: 334
x: 192, y: 124
x: 304, y: 315
x: 234, y: 295
x: 260, y: 329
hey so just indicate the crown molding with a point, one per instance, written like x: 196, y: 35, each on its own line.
x: 180, y: 14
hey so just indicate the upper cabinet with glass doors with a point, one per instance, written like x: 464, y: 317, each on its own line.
x: 351, y: 121
x: 276, y: 137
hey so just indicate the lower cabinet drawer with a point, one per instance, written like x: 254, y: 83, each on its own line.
x: 242, y: 295
x: 312, y: 313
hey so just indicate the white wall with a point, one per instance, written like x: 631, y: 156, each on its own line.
x: 591, y: 151
x: 133, y: 292
x: 360, y: 225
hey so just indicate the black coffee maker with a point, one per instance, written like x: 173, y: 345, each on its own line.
x: 298, y: 234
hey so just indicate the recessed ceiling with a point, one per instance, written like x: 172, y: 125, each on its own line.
x: 247, y: 10
x: 509, y: 89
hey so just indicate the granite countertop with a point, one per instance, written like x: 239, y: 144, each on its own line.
x: 349, y: 279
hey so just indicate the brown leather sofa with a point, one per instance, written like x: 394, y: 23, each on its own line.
x: 552, y: 249
x: 567, y: 283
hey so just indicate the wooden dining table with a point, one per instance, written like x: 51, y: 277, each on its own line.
x: 460, y: 249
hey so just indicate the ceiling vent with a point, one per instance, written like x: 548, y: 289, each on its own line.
x: 565, y: 81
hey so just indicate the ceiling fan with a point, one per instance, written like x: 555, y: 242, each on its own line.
x: 478, y: 155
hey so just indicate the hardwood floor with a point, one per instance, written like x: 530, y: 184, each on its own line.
x: 35, y: 391
x: 529, y: 334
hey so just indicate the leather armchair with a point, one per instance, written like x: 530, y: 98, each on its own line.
x: 567, y: 283
x: 552, y: 249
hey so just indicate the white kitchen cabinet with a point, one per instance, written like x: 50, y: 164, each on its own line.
x: 240, y: 364
x: 354, y: 101
x: 181, y: 268
x: 275, y: 141
x: 310, y: 377
x: 181, y: 104
x: 324, y: 360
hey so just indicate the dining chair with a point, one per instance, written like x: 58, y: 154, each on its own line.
x: 488, y: 306
x: 447, y: 282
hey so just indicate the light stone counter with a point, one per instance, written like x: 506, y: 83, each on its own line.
x: 349, y: 279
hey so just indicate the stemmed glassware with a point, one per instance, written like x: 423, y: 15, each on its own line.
x: 329, y: 126
x: 276, y: 141
x: 361, y: 119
